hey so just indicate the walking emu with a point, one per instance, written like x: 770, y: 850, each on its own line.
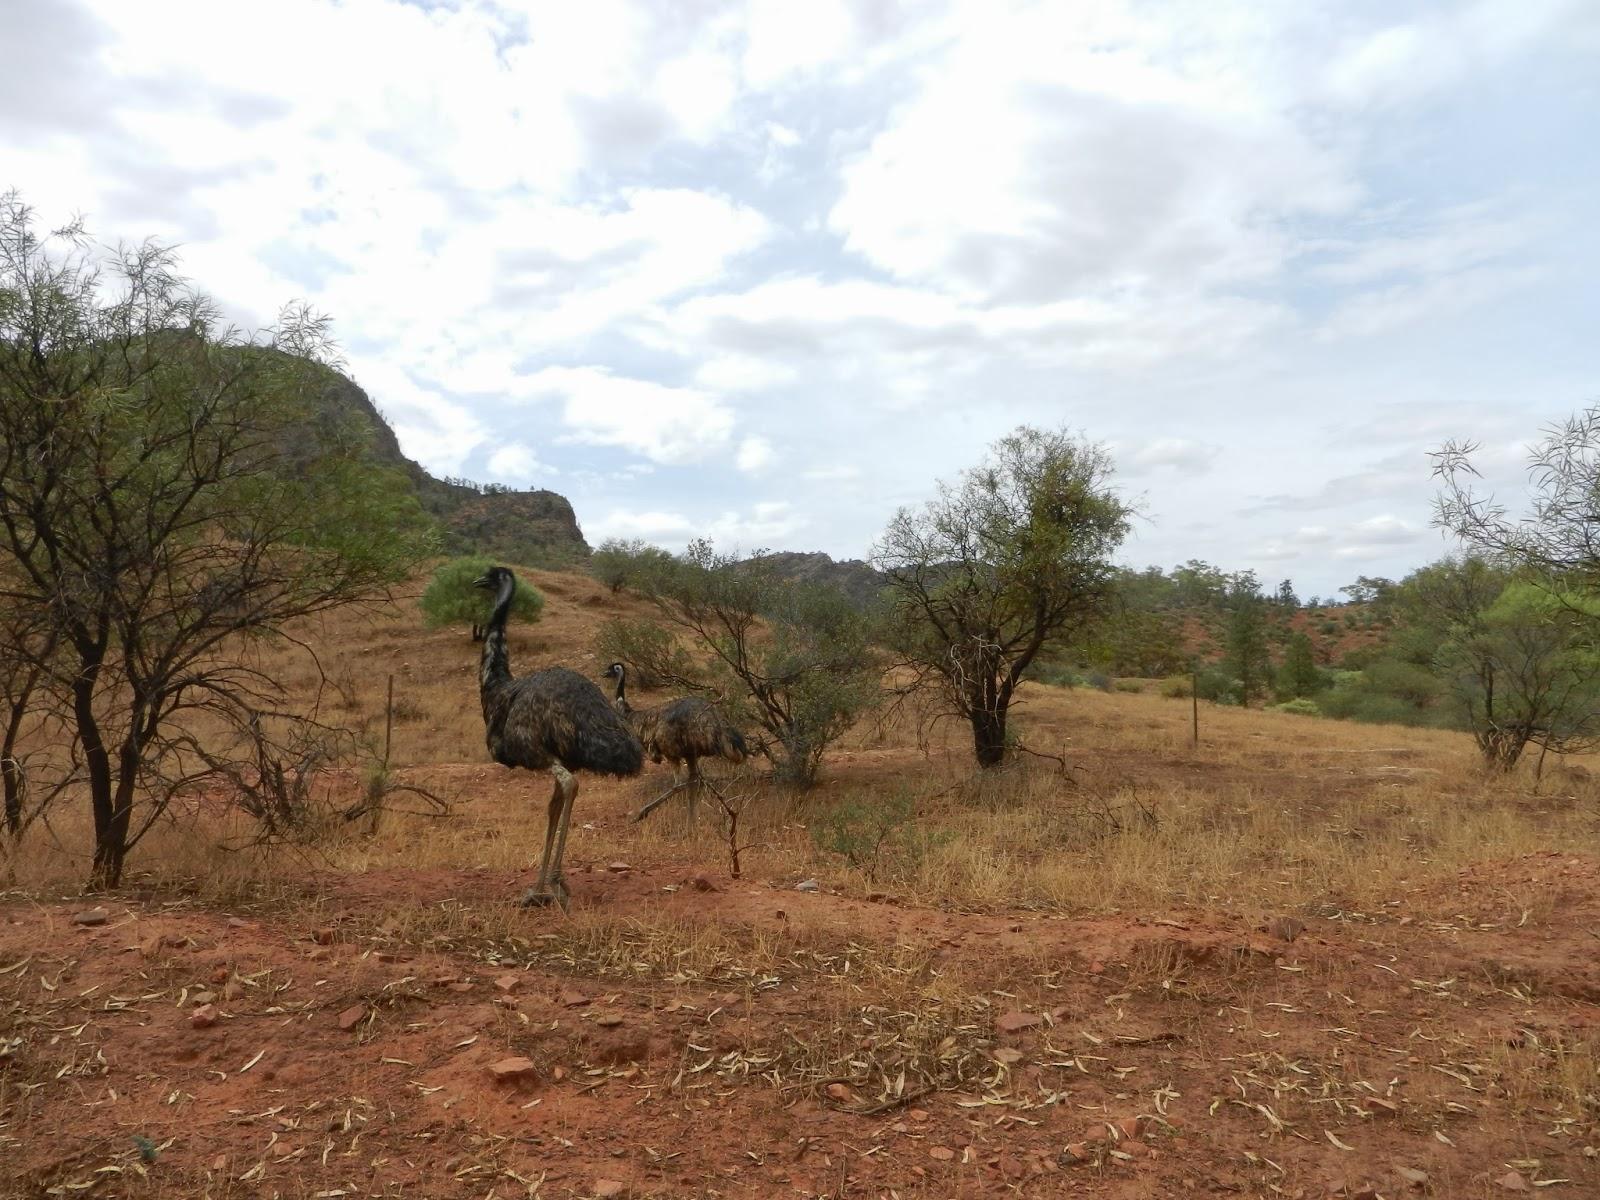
x: 554, y: 719
x: 679, y: 731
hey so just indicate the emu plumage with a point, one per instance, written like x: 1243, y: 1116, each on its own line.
x: 681, y: 731
x: 555, y: 720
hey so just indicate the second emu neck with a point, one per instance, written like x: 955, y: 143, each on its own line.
x: 494, y: 670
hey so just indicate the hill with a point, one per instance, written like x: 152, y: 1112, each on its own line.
x: 535, y: 526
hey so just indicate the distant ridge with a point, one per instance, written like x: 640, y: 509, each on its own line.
x: 536, y: 528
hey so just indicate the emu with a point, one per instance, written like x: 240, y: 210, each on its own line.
x: 679, y: 731
x: 553, y: 720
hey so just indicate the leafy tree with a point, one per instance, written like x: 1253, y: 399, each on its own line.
x: 793, y: 659
x: 450, y: 598
x: 161, y: 503
x: 1286, y: 596
x: 1369, y: 589
x: 1198, y: 584
x: 1299, y: 675
x: 1014, y: 554
x: 1134, y: 641
x: 620, y: 563
x: 653, y: 656
x: 1246, y: 657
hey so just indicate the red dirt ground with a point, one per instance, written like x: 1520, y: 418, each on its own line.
x: 1368, y: 1048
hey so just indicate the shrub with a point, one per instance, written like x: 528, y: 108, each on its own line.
x: 1177, y: 687
x: 619, y: 563
x: 1129, y: 685
x: 1098, y: 679
x: 652, y: 655
x: 1301, y: 706
x: 1054, y: 674
x: 450, y: 598
x: 1219, y: 687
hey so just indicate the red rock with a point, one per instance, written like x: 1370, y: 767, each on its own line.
x: 1011, y: 1168
x: 203, y: 998
x: 1134, y: 1149
x: 513, y: 1070
x: 91, y: 916
x: 1412, y: 1175
x: 238, y: 923
x: 1017, y: 1021
x: 460, y: 985
x: 153, y: 946
x: 1132, y: 1127
x: 1008, y: 1055
x: 221, y: 975
x: 352, y: 1016
x: 320, y: 954
x: 918, y: 1114
x: 608, y: 1189
x: 1078, y: 1151
x: 1097, y: 968
x: 1512, y: 1182
x: 704, y: 883
x: 609, y: 1020
x: 573, y: 999
x: 941, y: 1153
x: 840, y: 1092
x: 508, y: 983
x: 323, y: 936
x: 1381, y: 1108
x: 618, y: 868
x: 203, y: 1017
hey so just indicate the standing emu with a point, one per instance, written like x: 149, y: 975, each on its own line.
x: 679, y: 731
x: 553, y: 719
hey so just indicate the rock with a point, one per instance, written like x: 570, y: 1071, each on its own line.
x: 1016, y: 1021
x: 232, y: 990
x: 1285, y: 928
x: 1011, y: 1168
x: 840, y: 1092
x: 513, y: 1070
x: 1131, y: 1127
x: 203, y: 1017
x: 352, y: 1016
x: 1512, y: 1182
x: 808, y: 885
x: 320, y: 954
x: 1380, y: 1107
x: 323, y: 936
x: 704, y: 883
x: 91, y: 916
x: 1077, y: 1152
x: 238, y: 923
x: 508, y: 983
x: 607, y: 1189
x: 203, y: 998
x: 153, y: 946
x: 1097, y: 968
x: 221, y: 975
x: 459, y: 986
x: 571, y: 999
x: 1009, y: 1055
x: 1411, y: 1175
x: 941, y: 1153
x: 918, y: 1114
x: 608, y: 1020
x: 618, y: 868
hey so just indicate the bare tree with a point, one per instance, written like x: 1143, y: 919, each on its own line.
x: 170, y: 491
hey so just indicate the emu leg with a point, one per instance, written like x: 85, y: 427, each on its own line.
x: 550, y: 861
x: 694, y: 792
x: 659, y: 801
x: 558, y: 878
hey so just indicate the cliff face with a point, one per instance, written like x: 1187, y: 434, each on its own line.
x: 856, y: 579
x: 537, y: 528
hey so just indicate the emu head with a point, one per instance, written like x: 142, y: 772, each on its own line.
x: 491, y: 579
x: 616, y: 671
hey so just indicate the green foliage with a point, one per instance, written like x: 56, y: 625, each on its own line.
x: 876, y: 835
x: 1246, y: 657
x: 1132, y: 641
x: 1301, y: 706
x: 1054, y: 674
x: 1220, y: 687
x: 167, y: 484
x: 1177, y: 687
x: 654, y: 657
x: 450, y: 598
x: 1298, y: 676
x: 628, y: 563
x: 1015, y: 554
x: 792, y: 659
x: 1130, y: 686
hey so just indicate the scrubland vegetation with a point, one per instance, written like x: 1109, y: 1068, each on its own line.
x: 1008, y: 907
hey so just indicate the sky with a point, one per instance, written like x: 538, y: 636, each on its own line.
x: 765, y: 272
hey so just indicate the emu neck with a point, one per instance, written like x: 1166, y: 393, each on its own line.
x: 495, y: 666
x: 622, y: 689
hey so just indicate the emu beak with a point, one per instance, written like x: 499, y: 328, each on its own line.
x: 483, y: 581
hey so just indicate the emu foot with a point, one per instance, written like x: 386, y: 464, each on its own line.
x: 558, y: 895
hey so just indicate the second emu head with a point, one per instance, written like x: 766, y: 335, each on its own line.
x: 491, y: 579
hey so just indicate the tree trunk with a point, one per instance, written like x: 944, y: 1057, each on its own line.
x: 11, y: 781
x: 988, y: 736
x: 1502, y: 747
x: 109, y: 849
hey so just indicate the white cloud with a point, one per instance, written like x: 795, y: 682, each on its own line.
x: 1183, y: 455
x: 664, y: 424
x: 766, y: 522
x: 743, y: 373
x: 755, y: 454
x: 517, y: 462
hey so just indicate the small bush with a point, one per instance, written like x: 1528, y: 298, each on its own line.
x: 877, y: 835
x: 1098, y: 679
x: 1054, y: 674
x: 1129, y: 685
x: 1177, y: 687
x: 1219, y: 687
x: 630, y: 563
x: 450, y: 598
x: 1302, y: 706
x: 654, y: 657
